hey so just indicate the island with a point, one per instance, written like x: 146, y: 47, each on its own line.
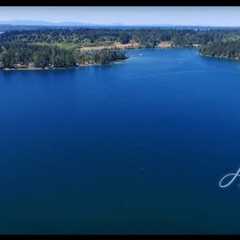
x: 53, y: 48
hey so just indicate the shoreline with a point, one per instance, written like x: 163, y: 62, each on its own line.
x: 78, y: 65
x: 113, y: 62
x: 220, y: 57
x: 116, y: 46
x: 60, y: 68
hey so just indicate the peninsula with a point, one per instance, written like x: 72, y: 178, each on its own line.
x: 51, y: 48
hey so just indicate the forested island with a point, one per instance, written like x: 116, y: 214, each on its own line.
x: 49, y: 48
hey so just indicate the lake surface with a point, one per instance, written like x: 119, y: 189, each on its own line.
x: 133, y: 147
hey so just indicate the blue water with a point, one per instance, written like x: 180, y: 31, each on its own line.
x: 133, y: 147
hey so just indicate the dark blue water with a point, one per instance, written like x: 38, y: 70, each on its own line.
x: 134, y: 147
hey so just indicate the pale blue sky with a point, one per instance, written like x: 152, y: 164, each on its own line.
x: 210, y: 16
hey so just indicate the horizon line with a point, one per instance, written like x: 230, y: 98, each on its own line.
x: 80, y: 24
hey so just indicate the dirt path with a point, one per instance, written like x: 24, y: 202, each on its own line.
x: 113, y: 46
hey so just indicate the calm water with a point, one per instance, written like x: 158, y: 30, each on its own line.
x: 134, y: 147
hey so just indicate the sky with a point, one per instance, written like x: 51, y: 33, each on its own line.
x: 199, y: 16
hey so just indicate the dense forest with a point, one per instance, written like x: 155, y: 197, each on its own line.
x: 222, y: 49
x: 15, y: 55
x: 66, y: 47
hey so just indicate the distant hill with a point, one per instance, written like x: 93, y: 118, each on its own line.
x: 44, y: 23
x: 33, y: 25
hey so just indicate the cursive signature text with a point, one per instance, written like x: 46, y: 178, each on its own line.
x: 228, y: 179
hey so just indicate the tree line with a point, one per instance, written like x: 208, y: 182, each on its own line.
x: 50, y: 56
x: 60, y: 47
x: 222, y: 49
x: 147, y: 37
